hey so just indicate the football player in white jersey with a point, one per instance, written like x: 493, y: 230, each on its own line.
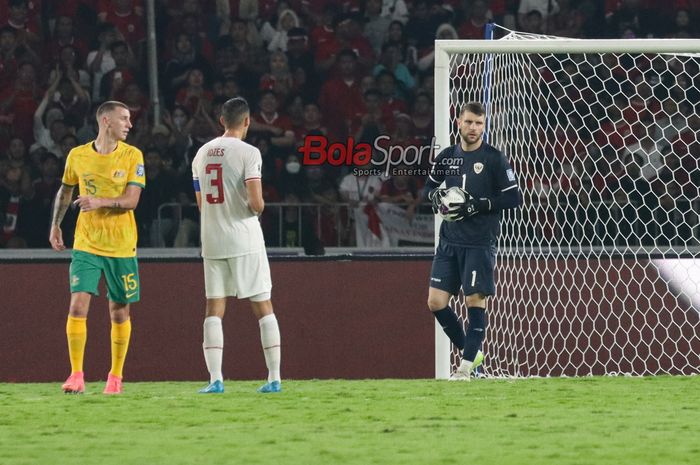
x: 226, y: 177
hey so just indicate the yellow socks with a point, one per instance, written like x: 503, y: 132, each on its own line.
x: 121, y: 332
x: 76, y: 332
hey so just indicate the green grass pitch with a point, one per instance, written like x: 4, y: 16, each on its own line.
x: 530, y: 421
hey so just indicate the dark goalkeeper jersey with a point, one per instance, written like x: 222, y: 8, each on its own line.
x: 484, y: 173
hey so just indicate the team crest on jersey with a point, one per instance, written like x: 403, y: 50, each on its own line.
x: 478, y: 167
x: 511, y: 175
x: 139, y: 170
x: 119, y: 174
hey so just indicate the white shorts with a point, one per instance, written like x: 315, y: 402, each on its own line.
x: 243, y: 277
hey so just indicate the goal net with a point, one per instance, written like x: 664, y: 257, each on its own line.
x: 599, y: 271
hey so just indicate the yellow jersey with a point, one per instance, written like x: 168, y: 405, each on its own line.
x: 105, y: 231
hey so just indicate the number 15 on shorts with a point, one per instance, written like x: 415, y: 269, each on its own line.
x: 130, y: 283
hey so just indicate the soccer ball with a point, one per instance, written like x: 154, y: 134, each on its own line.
x: 450, y: 204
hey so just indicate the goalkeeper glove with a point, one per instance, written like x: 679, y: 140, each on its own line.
x: 435, y: 196
x: 473, y: 206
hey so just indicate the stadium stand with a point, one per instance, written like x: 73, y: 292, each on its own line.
x: 338, y: 69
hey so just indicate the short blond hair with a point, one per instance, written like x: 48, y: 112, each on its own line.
x: 108, y: 106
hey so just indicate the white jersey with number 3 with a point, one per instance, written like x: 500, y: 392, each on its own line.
x: 229, y: 228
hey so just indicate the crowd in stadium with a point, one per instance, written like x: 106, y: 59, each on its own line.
x: 340, y: 69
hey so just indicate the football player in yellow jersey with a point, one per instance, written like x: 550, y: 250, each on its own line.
x: 110, y: 176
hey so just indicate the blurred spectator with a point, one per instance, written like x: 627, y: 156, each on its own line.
x: 376, y: 24
x: 397, y: 36
x: 44, y: 191
x: 191, y: 25
x: 272, y: 124
x: 12, y: 53
x: 17, y: 162
x: 402, y: 190
x: 278, y: 78
x: 26, y: 25
x: 68, y: 143
x: 69, y: 65
x: 426, y: 61
x: 340, y: 97
x: 473, y: 28
x: 546, y: 9
x: 121, y: 75
x: 392, y: 103
x: 422, y: 118
x: 568, y: 21
x: 396, y: 9
x: 44, y: 119
x: 533, y: 23
x: 127, y: 19
x: 194, y: 92
x: 276, y: 38
x: 13, y: 209
x: 312, y: 123
x: 391, y: 62
x: 368, y: 123
x: 250, y: 56
x: 324, y: 31
x: 180, y: 124
x: 298, y: 54
x: 155, y: 231
x: 348, y: 36
x: 682, y: 26
x: 184, y: 58
x: 72, y: 99
x: 99, y: 61
x: 88, y: 131
x: 64, y: 36
x: 422, y: 24
x: 19, y: 102
x: 632, y: 15
x: 292, y: 178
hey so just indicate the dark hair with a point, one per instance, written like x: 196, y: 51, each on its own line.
x: 234, y: 112
x: 473, y: 107
x: 118, y: 44
x: 346, y: 52
x: 108, y: 106
x: 50, y: 156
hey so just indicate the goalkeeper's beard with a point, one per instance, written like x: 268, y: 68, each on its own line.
x: 470, y: 139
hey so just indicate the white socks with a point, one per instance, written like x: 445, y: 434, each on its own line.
x: 270, y: 338
x: 213, y: 347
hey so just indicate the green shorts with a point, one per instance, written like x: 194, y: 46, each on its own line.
x: 121, y: 276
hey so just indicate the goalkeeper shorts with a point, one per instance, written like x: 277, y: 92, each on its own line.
x: 469, y: 267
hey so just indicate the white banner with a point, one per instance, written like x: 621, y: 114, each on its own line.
x: 419, y: 230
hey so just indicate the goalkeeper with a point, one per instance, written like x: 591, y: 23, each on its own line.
x: 466, y: 252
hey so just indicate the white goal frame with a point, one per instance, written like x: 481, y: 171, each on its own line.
x: 444, y: 49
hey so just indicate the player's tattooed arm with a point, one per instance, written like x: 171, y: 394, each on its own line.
x: 61, y: 204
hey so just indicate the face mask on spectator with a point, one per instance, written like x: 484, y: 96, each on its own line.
x: 293, y: 167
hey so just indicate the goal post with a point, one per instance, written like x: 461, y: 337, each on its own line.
x: 598, y: 273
